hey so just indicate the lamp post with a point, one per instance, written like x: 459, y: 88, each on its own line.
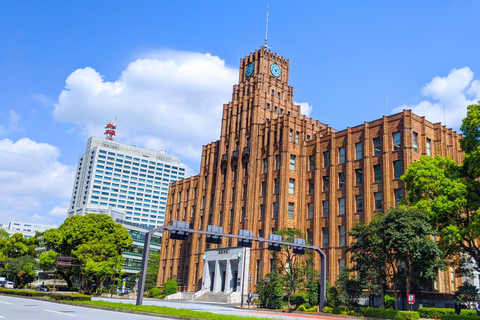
x: 244, y: 257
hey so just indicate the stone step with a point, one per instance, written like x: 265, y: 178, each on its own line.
x: 218, y: 297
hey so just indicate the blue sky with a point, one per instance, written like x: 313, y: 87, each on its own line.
x: 68, y: 67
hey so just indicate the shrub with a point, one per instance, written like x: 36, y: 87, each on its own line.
x: 389, y: 313
x: 440, y: 312
x: 154, y: 292
x: 298, y: 299
x: 328, y: 310
x: 170, y: 287
x: 301, y: 308
x: 459, y: 317
x: 70, y: 297
x: 389, y: 302
x: 274, y: 301
x: 24, y: 293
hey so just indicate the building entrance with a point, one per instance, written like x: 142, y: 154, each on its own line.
x: 223, y: 268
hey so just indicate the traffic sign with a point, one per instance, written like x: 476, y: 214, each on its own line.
x: 411, y: 299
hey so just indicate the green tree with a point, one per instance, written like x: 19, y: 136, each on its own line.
x: 369, y: 257
x: 94, y: 240
x: 400, y: 242
x: 17, y: 246
x: 450, y: 192
x: 293, y: 268
x: 152, y: 271
x: 350, y: 287
x: 466, y: 293
x: 270, y: 291
x: 21, y: 269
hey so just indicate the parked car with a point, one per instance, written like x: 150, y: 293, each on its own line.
x: 42, y: 288
x: 8, y: 285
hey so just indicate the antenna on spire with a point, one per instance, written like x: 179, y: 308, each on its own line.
x: 266, y: 29
x: 110, y: 129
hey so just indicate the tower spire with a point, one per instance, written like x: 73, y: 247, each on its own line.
x: 266, y: 29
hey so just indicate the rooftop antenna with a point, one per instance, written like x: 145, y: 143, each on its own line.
x: 386, y: 103
x: 444, y: 121
x: 110, y: 129
x: 266, y: 29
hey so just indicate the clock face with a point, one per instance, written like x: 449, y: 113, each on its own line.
x: 275, y: 70
x: 249, y: 70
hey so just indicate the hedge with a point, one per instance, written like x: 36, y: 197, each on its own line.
x: 70, y: 297
x: 389, y: 313
x: 54, y: 296
x: 440, y: 312
x: 25, y: 293
x: 460, y: 316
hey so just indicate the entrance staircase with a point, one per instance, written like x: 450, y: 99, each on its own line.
x: 209, y: 296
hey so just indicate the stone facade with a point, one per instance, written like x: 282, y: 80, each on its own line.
x: 274, y: 168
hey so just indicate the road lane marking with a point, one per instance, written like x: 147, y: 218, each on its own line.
x: 71, y: 315
x: 5, y: 302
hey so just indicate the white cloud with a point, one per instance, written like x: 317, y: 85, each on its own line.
x: 12, y: 124
x: 305, y: 108
x: 31, y: 178
x: 451, y: 94
x: 59, y: 211
x: 167, y: 97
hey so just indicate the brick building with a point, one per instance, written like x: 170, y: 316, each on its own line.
x: 274, y: 168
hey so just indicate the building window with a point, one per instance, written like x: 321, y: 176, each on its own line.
x: 397, y: 169
x: 310, y: 210
x: 325, y: 208
x: 262, y: 212
x: 264, y: 188
x: 310, y: 236
x: 311, y: 186
x: 325, y: 237
x: 297, y: 137
x: 291, y: 208
x: 358, y: 177
x: 293, y: 159
x: 277, y: 161
x: 275, y: 209
x: 341, y: 206
x: 341, y: 180
x: 359, y: 203
x: 378, y: 200
x: 398, y: 196
x: 273, y: 266
x: 265, y: 165
x: 358, y: 151
x: 397, y: 144
x: 311, y: 163
x: 377, y: 146
x: 377, y: 169
x: 277, y: 186
x: 341, y: 265
x: 341, y: 236
x: 429, y: 147
x: 291, y: 186
x: 341, y: 155
x: 259, y: 270
x: 326, y: 159
x: 290, y: 135
x: 326, y: 183
x: 415, y: 141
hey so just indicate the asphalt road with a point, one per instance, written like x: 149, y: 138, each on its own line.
x: 223, y: 309
x: 18, y: 308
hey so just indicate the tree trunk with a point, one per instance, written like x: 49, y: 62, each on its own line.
x: 395, y: 292
x: 408, y: 283
x: 382, y: 293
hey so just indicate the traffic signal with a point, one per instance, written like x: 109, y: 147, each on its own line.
x: 298, y: 250
x: 274, y: 246
x: 247, y: 243
x: 181, y: 233
x: 217, y: 238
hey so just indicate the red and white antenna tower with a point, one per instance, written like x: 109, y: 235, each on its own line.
x: 110, y: 129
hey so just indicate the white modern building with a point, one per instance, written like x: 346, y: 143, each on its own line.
x: 117, y: 175
x: 28, y: 229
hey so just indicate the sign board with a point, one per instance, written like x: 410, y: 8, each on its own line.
x: 64, y: 261
x: 411, y: 299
